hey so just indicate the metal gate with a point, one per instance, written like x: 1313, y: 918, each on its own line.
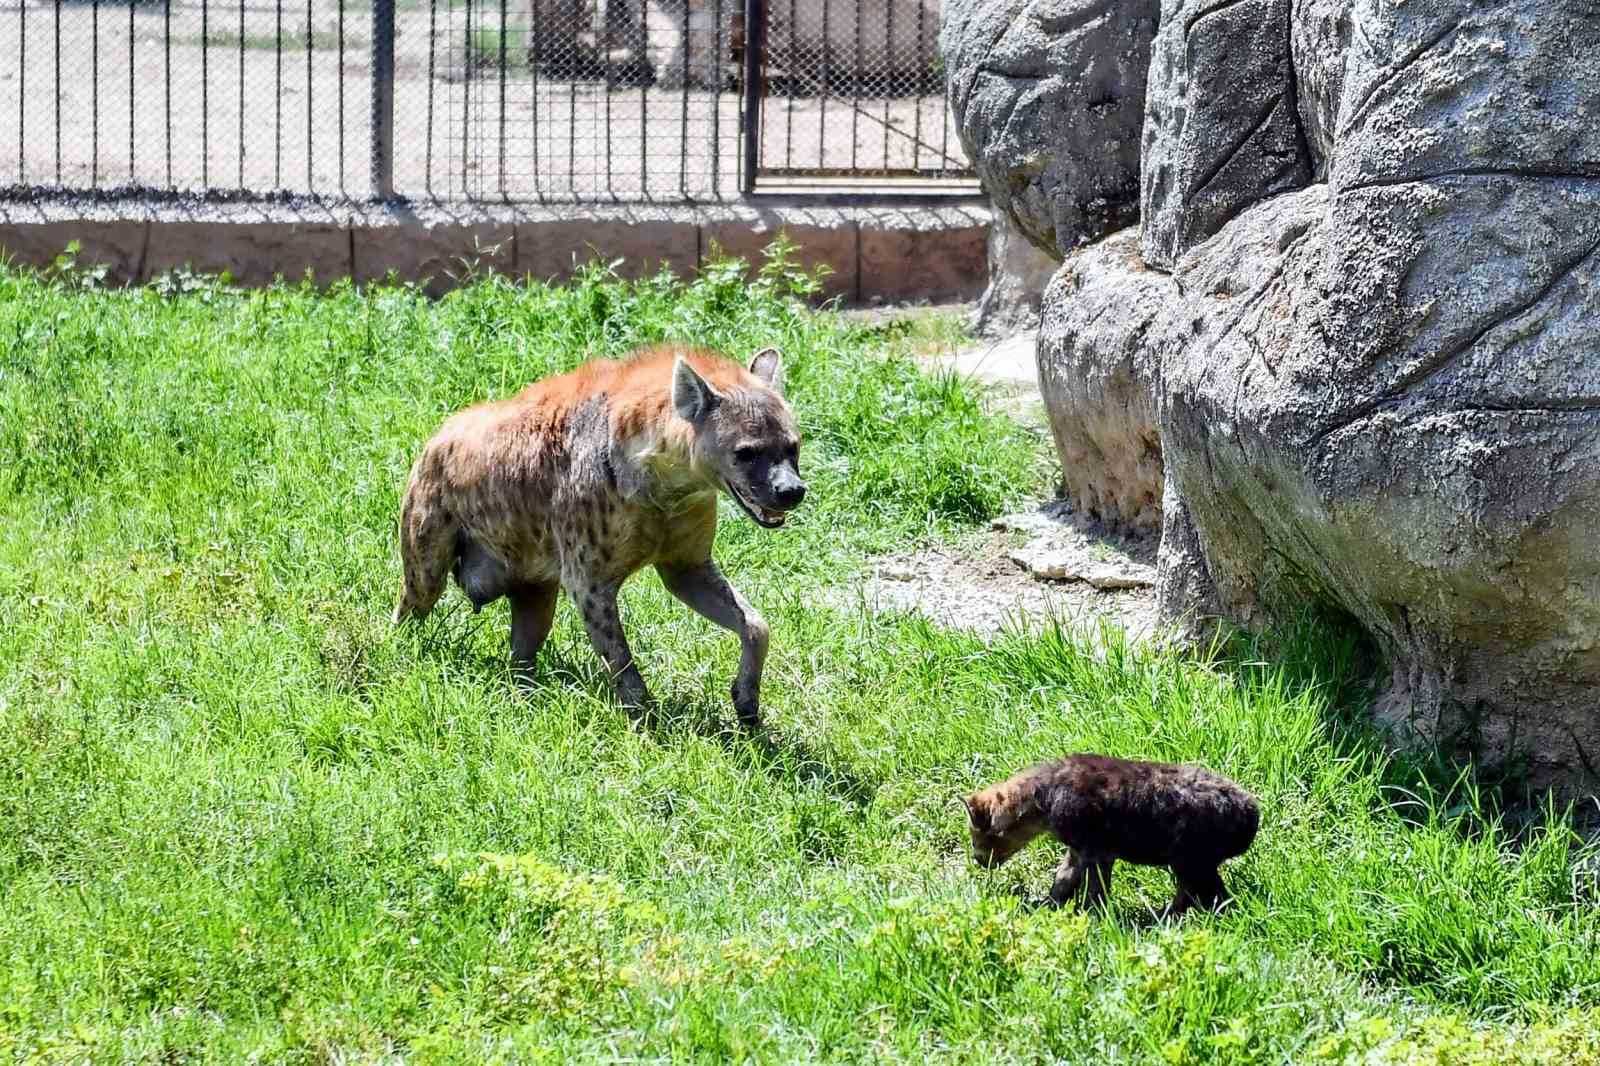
x: 847, y: 95
x: 553, y: 101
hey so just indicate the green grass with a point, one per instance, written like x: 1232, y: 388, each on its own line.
x: 242, y: 817
x: 490, y: 48
x: 291, y: 41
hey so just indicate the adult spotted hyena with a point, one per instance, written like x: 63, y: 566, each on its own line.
x: 581, y: 480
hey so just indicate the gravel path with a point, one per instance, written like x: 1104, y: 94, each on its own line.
x: 982, y: 587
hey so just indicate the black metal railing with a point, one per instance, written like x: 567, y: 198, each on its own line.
x: 570, y: 100
x: 228, y: 97
x: 518, y: 100
x: 855, y: 91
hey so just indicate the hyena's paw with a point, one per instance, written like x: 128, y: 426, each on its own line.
x: 634, y: 695
x: 645, y: 715
x: 747, y: 706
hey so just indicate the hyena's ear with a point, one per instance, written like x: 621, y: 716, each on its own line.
x: 976, y: 814
x: 692, y: 396
x: 768, y: 366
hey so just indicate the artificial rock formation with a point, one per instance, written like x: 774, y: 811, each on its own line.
x: 1048, y: 97
x: 1359, y: 319
x: 1222, y: 130
x: 1096, y: 370
x: 1018, y: 273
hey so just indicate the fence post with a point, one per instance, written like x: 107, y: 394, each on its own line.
x: 383, y: 99
x: 755, y: 46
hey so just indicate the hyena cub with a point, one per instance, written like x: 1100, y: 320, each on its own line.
x: 1104, y: 809
x: 580, y: 480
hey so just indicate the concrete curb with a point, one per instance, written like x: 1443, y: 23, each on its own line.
x: 886, y: 254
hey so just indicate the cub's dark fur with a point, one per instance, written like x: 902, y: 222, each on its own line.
x: 1104, y: 809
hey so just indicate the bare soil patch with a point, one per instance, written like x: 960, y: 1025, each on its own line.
x: 1016, y: 575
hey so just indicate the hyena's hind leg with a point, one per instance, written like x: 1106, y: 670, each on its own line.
x: 533, y: 606
x: 427, y: 551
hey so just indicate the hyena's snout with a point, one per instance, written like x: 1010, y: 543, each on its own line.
x: 787, y: 488
x: 769, y: 495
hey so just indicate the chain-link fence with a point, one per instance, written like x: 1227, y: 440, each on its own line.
x: 521, y: 100
x: 855, y: 89
x: 577, y: 100
x: 245, y: 96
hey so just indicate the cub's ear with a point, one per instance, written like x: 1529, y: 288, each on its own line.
x: 692, y: 396
x: 977, y: 814
x: 767, y: 365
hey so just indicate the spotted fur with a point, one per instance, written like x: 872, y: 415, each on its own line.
x: 1104, y: 809
x: 581, y: 480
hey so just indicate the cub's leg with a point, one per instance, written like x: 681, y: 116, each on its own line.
x: 1084, y: 877
x: 1069, y: 878
x: 1097, y: 883
x: 597, y: 602
x: 707, y: 593
x: 1199, y: 884
x: 533, y: 609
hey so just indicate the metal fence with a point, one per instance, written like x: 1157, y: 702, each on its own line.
x: 853, y: 90
x: 532, y: 100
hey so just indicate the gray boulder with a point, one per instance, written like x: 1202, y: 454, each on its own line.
x: 1222, y: 124
x: 1018, y: 273
x: 1098, y: 367
x: 1048, y: 97
x: 1380, y: 392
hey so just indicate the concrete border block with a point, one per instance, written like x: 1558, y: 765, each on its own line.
x: 429, y: 253
x: 253, y: 253
x: 549, y: 250
x: 899, y: 253
x: 834, y: 246
x: 903, y: 261
x: 117, y: 246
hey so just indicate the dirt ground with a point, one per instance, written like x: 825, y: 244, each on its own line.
x: 981, y: 586
x: 197, y: 94
x: 1030, y: 566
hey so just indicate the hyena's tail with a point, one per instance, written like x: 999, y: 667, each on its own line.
x: 427, y: 544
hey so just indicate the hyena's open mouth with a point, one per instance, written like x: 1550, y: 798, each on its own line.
x: 761, y: 516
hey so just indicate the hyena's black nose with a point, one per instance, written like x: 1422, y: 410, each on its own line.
x: 789, y: 498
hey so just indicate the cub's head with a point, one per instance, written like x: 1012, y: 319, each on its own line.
x: 997, y: 832
x: 745, y: 437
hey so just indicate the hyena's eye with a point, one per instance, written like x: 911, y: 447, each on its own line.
x: 746, y: 454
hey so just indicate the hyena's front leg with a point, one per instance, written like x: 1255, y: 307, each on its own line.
x: 597, y: 602
x: 533, y: 609
x: 1069, y: 878
x: 1084, y: 877
x: 707, y: 592
x: 1199, y: 884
